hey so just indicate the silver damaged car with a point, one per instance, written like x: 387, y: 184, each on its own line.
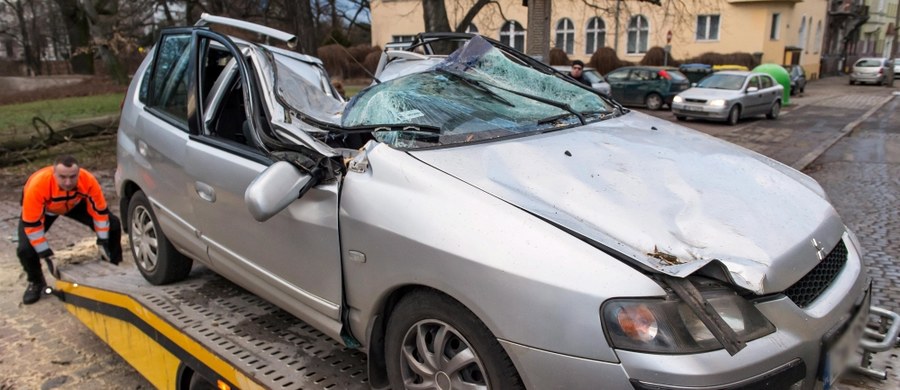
x: 477, y: 221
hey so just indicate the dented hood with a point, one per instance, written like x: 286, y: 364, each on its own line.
x: 661, y: 196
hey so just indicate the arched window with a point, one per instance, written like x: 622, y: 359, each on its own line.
x: 802, y: 38
x: 472, y: 29
x: 818, y: 45
x: 565, y: 35
x: 596, y: 35
x: 513, y: 34
x: 638, y: 34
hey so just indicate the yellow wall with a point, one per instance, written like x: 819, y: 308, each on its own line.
x: 744, y: 26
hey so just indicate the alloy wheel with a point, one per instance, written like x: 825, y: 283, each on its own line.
x: 144, y: 240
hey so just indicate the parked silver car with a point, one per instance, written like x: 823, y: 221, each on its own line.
x: 730, y: 96
x: 476, y: 221
x: 874, y: 70
x: 592, y: 75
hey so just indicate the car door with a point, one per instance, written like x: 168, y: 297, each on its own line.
x: 161, y: 135
x: 754, y: 96
x: 618, y: 80
x: 769, y: 90
x: 638, y: 85
x: 292, y: 259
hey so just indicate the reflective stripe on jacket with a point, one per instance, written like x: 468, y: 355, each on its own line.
x: 43, y: 196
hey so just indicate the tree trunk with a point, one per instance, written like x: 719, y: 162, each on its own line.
x: 102, y: 15
x: 304, y: 27
x: 79, y: 33
x: 33, y: 65
x: 435, y: 16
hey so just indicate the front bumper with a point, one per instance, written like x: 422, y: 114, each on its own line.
x: 792, y: 357
x: 867, y: 77
x: 699, y: 110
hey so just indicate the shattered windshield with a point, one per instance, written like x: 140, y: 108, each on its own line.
x: 477, y: 93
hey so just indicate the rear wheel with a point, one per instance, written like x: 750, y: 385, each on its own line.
x: 653, y: 101
x: 156, y: 257
x: 434, y: 342
x: 774, y: 110
x: 734, y: 115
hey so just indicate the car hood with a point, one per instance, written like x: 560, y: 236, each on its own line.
x: 709, y: 93
x: 661, y: 197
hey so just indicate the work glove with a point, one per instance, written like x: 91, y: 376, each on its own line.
x: 105, y: 254
x: 50, y: 267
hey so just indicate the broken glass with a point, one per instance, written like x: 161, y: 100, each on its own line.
x: 477, y: 93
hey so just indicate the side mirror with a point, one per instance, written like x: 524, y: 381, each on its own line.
x: 274, y: 189
x: 752, y: 89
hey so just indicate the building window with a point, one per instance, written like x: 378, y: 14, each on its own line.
x: 638, y: 35
x: 596, y: 35
x: 565, y: 35
x: 512, y: 34
x: 802, y: 33
x: 708, y: 27
x: 818, y: 42
x: 402, y: 38
x: 776, y: 27
x: 472, y: 29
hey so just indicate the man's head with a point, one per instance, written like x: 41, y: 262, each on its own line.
x: 65, y: 171
x: 577, y: 68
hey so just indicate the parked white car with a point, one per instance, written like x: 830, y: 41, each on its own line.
x: 874, y: 70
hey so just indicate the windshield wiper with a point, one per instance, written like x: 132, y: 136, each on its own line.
x: 407, y: 128
x: 554, y: 118
x: 475, y: 84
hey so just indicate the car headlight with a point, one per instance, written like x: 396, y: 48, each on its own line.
x: 669, y: 326
x: 677, y: 99
x: 717, y: 102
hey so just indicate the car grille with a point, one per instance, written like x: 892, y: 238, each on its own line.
x: 689, y: 100
x: 810, y: 286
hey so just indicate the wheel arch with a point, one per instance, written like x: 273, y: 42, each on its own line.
x: 377, y: 330
x: 128, y: 189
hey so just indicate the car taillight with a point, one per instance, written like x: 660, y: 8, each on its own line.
x: 665, y: 74
x: 880, y: 70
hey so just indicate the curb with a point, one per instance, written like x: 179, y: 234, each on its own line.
x: 807, y: 159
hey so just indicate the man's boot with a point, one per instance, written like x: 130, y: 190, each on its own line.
x: 33, y: 291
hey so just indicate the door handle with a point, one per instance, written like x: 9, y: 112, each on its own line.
x: 205, y: 191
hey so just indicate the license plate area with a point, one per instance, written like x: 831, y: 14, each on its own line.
x: 839, y: 347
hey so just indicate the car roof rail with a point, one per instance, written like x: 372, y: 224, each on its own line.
x: 207, y: 19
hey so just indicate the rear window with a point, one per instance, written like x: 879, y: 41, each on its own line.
x: 868, y: 63
x: 676, y: 75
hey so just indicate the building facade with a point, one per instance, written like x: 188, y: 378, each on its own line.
x: 776, y: 31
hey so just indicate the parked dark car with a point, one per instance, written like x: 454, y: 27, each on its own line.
x: 650, y: 86
x: 695, y: 72
x: 798, y: 78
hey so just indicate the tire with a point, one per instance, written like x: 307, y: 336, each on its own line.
x: 852, y: 82
x: 157, y: 259
x: 417, y: 319
x: 681, y: 117
x: 200, y: 383
x: 653, y: 101
x: 734, y: 115
x: 774, y: 111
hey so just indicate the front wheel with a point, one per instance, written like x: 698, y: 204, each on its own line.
x: 681, y: 117
x: 157, y: 259
x: 653, y: 101
x: 434, y: 342
x: 774, y: 111
x: 734, y: 115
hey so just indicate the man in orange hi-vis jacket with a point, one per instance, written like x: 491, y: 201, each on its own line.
x: 62, y: 189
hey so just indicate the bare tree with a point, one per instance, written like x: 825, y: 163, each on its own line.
x: 25, y: 35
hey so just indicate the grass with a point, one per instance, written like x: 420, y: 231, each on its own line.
x: 15, y: 119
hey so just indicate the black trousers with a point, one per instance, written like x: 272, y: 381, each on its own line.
x: 29, y: 257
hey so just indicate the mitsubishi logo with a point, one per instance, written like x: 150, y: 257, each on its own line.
x: 820, y: 250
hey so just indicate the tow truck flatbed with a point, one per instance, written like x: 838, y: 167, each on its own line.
x: 208, y: 326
